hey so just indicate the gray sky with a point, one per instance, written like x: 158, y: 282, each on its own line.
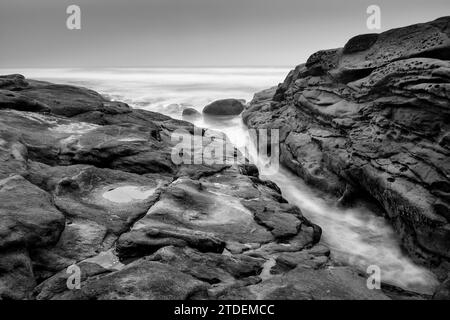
x: 118, y: 33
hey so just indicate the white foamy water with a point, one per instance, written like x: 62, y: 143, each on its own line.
x: 356, y: 236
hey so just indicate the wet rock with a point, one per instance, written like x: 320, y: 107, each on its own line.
x: 13, y: 155
x: 193, y: 205
x: 92, y: 181
x: 65, y: 100
x: 13, y: 82
x: 58, y: 141
x: 27, y: 215
x: 99, y: 204
x: 190, y: 114
x: 16, y: 275
x: 314, y: 258
x: 58, y: 283
x: 305, y: 284
x: 282, y: 219
x: 138, y: 243
x: 225, y: 107
x: 373, y: 118
x: 209, y: 267
x: 217, y: 208
x: 443, y: 291
x: 17, y: 101
x: 140, y: 280
x: 110, y: 198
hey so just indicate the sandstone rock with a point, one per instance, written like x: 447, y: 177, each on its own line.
x: 305, y: 284
x: 190, y: 113
x: 305, y: 259
x: 138, y: 243
x: 13, y: 155
x: 373, y: 117
x: 100, y: 204
x: 443, y: 291
x: 58, y: 141
x: 16, y: 275
x: 90, y: 181
x: 13, y: 82
x: 209, y: 267
x: 216, y: 208
x: 17, y: 101
x: 57, y: 284
x: 225, y: 107
x: 143, y: 280
x: 65, y: 100
x: 27, y: 215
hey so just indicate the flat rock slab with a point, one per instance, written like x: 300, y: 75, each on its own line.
x: 337, y: 283
x: 27, y: 215
x: 216, y: 208
x: 140, y: 280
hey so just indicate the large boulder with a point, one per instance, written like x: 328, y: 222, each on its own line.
x: 224, y: 107
x: 17, y: 101
x: 16, y: 275
x: 13, y: 82
x: 55, y: 140
x: 372, y: 120
x: 65, y: 100
x: 28, y: 217
x: 190, y: 114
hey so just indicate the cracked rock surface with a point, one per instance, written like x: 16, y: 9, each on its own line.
x: 90, y: 182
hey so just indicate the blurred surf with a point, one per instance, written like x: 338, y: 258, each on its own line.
x: 357, y: 236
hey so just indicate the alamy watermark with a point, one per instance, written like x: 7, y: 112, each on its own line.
x: 374, y: 280
x: 73, y: 21
x: 74, y: 280
x: 210, y: 147
x: 373, y: 22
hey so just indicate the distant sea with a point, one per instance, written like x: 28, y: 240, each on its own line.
x: 159, y: 89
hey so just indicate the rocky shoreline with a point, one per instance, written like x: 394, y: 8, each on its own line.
x: 371, y: 121
x: 89, y: 184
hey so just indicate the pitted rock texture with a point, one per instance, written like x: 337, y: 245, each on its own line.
x: 372, y: 119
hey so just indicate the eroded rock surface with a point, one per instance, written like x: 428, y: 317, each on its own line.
x: 89, y: 184
x: 372, y: 119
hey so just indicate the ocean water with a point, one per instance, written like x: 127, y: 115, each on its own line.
x: 357, y: 236
x: 158, y: 88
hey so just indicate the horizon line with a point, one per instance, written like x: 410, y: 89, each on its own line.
x: 147, y: 67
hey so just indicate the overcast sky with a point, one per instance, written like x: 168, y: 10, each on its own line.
x: 118, y: 33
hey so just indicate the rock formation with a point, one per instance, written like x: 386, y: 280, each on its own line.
x: 372, y: 120
x: 225, y: 107
x: 190, y: 114
x: 90, y: 184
